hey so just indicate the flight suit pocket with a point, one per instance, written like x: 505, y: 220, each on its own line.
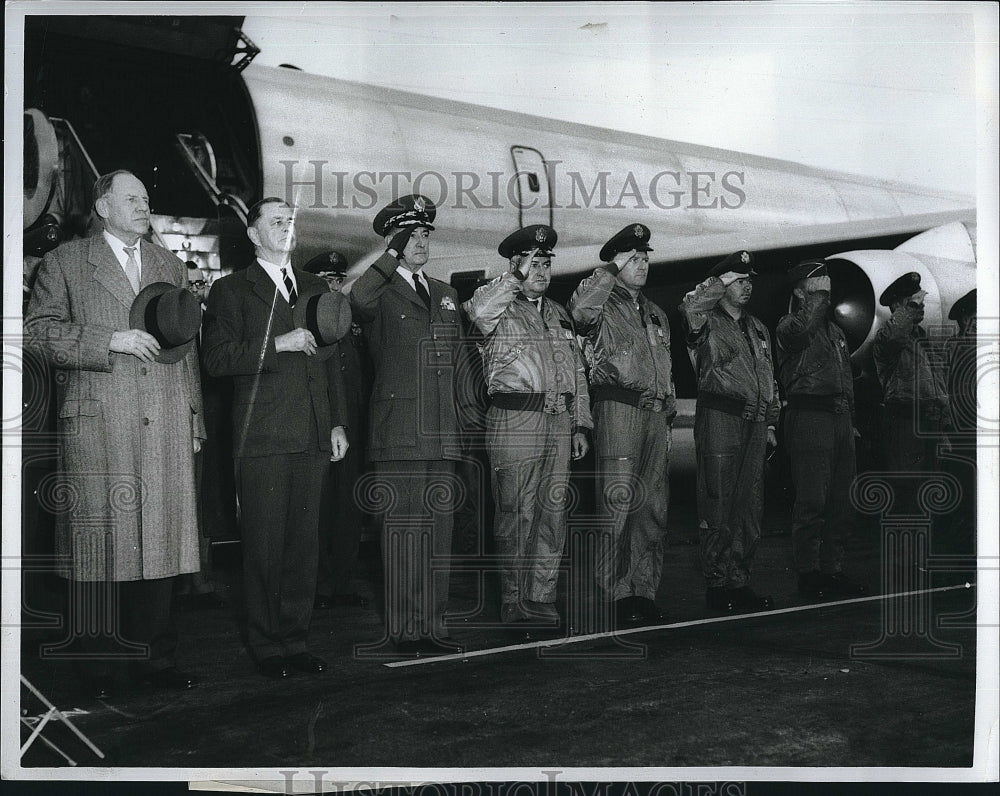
x: 505, y: 490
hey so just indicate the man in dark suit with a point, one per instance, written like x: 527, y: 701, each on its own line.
x: 287, y: 424
x: 412, y: 326
x: 130, y: 423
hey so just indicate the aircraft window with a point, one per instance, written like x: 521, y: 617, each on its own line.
x: 533, y: 182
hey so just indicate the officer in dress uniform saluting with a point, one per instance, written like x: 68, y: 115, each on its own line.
x: 413, y: 331
x: 735, y: 419
x: 631, y: 386
x: 539, y: 418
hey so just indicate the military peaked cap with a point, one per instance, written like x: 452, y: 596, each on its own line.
x: 964, y: 306
x: 806, y: 269
x: 635, y: 237
x: 327, y: 263
x: 537, y: 236
x: 738, y: 262
x: 902, y: 288
x: 414, y: 210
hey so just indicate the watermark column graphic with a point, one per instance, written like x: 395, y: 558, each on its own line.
x: 30, y: 429
x: 973, y: 362
x: 85, y: 504
x: 590, y: 541
x: 93, y: 611
x: 907, y: 630
x: 416, y: 564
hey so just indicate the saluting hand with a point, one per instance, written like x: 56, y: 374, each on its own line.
x: 399, y: 241
x: 525, y: 266
x: 137, y: 343
x: 296, y: 340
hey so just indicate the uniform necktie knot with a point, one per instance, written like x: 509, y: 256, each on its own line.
x: 421, y: 290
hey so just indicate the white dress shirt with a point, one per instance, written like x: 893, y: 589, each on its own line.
x: 407, y: 274
x: 118, y: 248
x: 274, y: 271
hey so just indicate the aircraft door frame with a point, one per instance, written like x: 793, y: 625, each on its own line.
x: 532, y: 182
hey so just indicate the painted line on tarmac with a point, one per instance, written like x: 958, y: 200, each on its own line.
x: 557, y: 642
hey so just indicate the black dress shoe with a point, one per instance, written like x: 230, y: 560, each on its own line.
x: 719, y: 598
x: 627, y: 613
x: 746, y: 599
x: 306, y: 662
x: 812, y: 585
x: 352, y: 600
x: 273, y: 666
x: 170, y: 678
x: 840, y: 584
x: 651, y: 612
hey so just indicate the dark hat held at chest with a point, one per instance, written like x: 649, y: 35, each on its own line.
x: 171, y: 314
x: 538, y: 236
x: 414, y: 210
x: 635, y: 237
x: 327, y: 315
x: 738, y: 263
x: 901, y: 288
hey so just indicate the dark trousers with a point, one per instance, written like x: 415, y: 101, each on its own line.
x: 530, y: 455
x: 340, y: 525
x: 122, y: 622
x: 730, y: 453
x: 633, y: 456
x: 279, y: 517
x: 911, y: 441
x: 821, y: 449
x: 417, y: 502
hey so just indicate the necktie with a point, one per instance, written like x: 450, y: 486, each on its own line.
x: 132, y: 269
x: 292, y: 295
x: 422, y: 291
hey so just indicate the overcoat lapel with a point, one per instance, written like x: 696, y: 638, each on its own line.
x: 154, y: 267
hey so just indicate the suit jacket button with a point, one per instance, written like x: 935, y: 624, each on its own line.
x: 143, y: 371
x: 145, y: 421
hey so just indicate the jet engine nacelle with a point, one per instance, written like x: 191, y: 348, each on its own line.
x: 946, y: 261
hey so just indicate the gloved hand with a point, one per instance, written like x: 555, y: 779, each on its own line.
x: 399, y: 241
x: 730, y: 276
